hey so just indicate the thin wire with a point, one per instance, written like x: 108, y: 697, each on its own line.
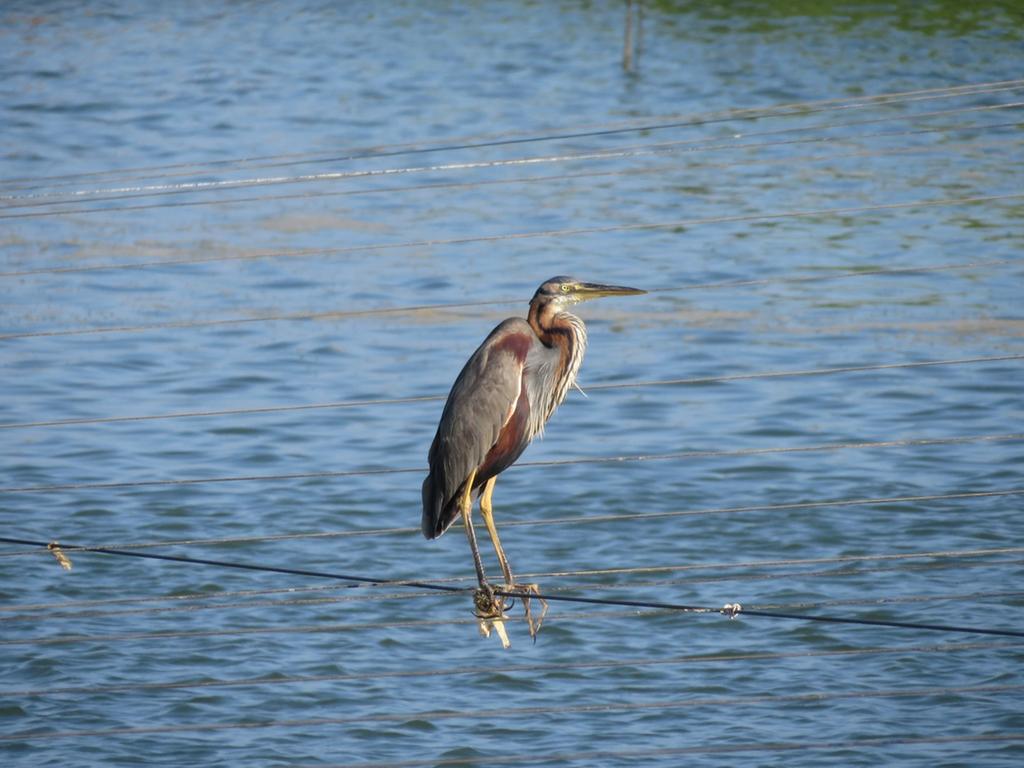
x: 893, y: 600
x: 704, y: 454
x: 567, y: 232
x: 301, y: 602
x: 699, y: 380
x: 189, y: 597
x: 226, y: 412
x: 512, y: 669
x: 718, y: 748
x: 158, y: 190
x: 309, y: 194
x: 328, y: 315
x: 44, y: 547
x: 786, y: 562
x: 827, y: 573
x: 416, y: 308
x: 763, y: 160
x: 873, y: 272
x: 830, y: 573
x: 501, y: 714
x: 433, y: 308
x: 577, y: 520
x: 121, y: 193
x: 480, y: 141
x: 466, y: 619
x: 907, y: 562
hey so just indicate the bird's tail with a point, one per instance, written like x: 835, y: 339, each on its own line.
x: 438, y: 512
x: 431, y: 509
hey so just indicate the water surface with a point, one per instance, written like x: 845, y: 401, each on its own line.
x: 206, y: 210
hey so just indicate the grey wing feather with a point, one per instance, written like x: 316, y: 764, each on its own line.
x: 478, y: 406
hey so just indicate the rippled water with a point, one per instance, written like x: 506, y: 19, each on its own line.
x: 205, y: 210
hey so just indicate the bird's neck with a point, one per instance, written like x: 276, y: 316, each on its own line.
x: 563, y: 331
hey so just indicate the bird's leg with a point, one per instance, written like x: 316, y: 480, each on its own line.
x: 489, y: 608
x: 466, y: 507
x: 486, y: 511
x: 524, y: 590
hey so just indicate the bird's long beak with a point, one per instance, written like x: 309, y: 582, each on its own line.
x: 587, y: 291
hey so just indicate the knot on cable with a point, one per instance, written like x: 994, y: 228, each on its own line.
x: 64, y: 560
x: 732, y: 610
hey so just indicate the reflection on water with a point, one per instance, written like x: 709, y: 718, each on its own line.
x: 331, y: 206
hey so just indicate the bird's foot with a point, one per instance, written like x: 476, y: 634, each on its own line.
x: 525, y: 592
x: 490, y: 610
x: 486, y: 604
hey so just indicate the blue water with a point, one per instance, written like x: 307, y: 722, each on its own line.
x: 128, y: 290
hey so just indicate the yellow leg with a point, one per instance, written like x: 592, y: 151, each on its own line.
x: 486, y: 511
x: 466, y: 507
x: 524, y: 590
x: 489, y: 608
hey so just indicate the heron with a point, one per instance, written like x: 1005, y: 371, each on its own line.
x: 501, y: 400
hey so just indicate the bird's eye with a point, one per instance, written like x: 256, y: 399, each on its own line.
x: 564, y: 287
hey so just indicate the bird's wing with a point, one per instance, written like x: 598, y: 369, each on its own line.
x: 481, y: 401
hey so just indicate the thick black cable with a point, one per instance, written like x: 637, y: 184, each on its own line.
x: 657, y: 605
x: 30, y: 611
x: 27, y: 615
x: 356, y: 580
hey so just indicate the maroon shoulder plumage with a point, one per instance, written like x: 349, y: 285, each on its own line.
x: 487, y: 395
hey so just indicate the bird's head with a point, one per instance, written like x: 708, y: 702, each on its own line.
x: 563, y: 291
